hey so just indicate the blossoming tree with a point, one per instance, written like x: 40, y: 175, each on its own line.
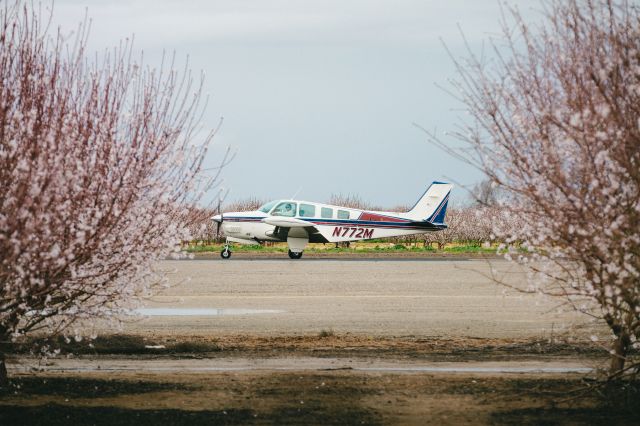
x: 98, y: 160
x: 556, y: 126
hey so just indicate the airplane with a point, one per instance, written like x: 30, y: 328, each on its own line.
x: 302, y: 222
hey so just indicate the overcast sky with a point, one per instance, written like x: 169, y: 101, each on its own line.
x: 317, y: 95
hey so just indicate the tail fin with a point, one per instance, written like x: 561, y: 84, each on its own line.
x: 432, y: 206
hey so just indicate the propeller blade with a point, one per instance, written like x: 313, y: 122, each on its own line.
x: 221, y: 218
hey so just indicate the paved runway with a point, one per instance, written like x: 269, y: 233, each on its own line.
x: 373, y: 297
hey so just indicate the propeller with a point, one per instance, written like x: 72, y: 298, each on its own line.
x: 219, y: 217
x: 219, y: 213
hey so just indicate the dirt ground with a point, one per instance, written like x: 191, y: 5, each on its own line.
x: 318, y: 397
x: 346, y: 342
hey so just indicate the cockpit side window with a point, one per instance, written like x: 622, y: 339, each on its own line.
x: 286, y: 208
x: 326, y: 213
x: 307, y: 210
x: 267, y: 207
x: 343, y: 214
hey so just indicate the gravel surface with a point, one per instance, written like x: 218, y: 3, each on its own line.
x: 108, y: 365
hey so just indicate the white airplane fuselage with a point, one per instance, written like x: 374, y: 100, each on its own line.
x: 300, y: 222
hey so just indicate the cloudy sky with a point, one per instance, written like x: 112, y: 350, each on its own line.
x: 317, y: 96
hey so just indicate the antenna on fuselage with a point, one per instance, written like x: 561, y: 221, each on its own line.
x: 296, y: 194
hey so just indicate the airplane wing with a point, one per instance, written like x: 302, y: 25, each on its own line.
x: 296, y: 227
x: 286, y: 222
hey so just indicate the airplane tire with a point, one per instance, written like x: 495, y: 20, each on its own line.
x: 293, y: 255
x: 225, y: 254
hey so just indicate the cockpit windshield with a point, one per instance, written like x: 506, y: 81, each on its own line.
x: 285, y: 208
x: 267, y: 207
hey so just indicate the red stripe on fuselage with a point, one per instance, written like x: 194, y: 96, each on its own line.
x: 380, y: 218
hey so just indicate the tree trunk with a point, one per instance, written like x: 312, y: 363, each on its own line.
x: 619, y: 355
x: 4, y: 346
x: 4, y: 379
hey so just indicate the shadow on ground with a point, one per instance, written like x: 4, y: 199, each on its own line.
x: 564, y: 416
x: 53, y: 414
x: 285, y: 400
x: 68, y: 387
x: 308, y: 397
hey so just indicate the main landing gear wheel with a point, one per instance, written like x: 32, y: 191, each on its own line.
x: 225, y: 253
x: 293, y: 255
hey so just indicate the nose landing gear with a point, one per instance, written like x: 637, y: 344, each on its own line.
x: 226, y: 251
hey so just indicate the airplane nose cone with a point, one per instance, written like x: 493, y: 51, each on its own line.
x: 217, y: 218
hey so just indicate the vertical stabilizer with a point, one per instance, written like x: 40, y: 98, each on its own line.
x: 432, y: 206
